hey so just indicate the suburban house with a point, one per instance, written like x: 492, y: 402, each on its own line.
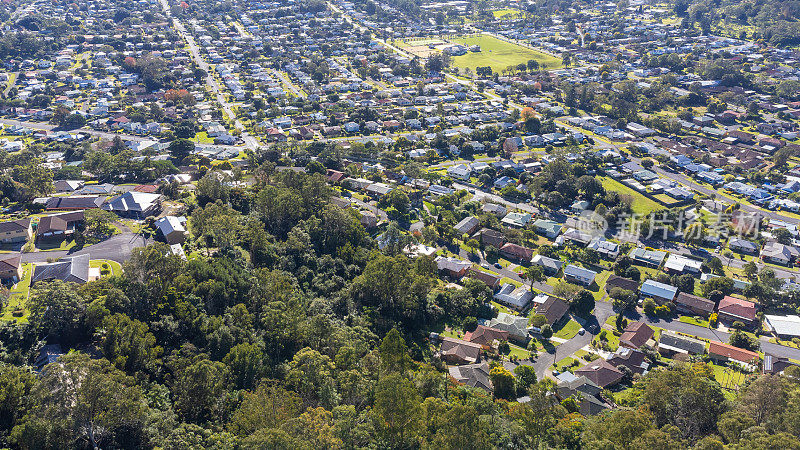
x: 472, y: 375
x: 468, y: 225
x: 10, y: 268
x: 486, y: 336
x: 74, y: 203
x: 692, y: 304
x: 453, y: 267
x: 725, y: 353
x: 579, y: 275
x: 516, y: 326
x: 679, y: 264
x: 553, y: 309
x: 516, y: 220
x: 652, y: 258
x: 134, y: 205
x: 549, y: 265
x: 785, y: 327
x: 732, y: 309
x: 59, y: 226
x: 546, y: 227
x: 15, y: 231
x: 456, y: 351
x: 491, y: 237
x: 516, y: 252
x: 581, y: 387
x: 778, y: 253
x: 776, y: 364
x: 671, y: 344
x: 743, y: 246
x: 601, y: 373
x: 636, y: 335
x: 67, y: 186
x: 660, y: 292
x: 622, y: 283
x: 515, y: 297
x: 172, y: 228
x: 491, y: 280
x: 632, y: 358
x: 74, y: 269
x: 607, y: 249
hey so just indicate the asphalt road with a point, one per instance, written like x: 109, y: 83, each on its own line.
x: 249, y: 141
x: 605, y: 308
x: 118, y: 248
x: 688, y: 181
x: 547, y: 359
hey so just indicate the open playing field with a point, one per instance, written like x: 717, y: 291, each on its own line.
x: 505, y: 13
x: 422, y: 47
x: 499, y: 54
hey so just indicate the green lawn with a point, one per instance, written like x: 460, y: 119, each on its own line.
x: 564, y: 364
x: 641, y: 204
x: 728, y: 378
x: 116, y: 268
x: 499, y: 54
x: 56, y: 245
x: 501, y: 13
x: 19, y: 297
x: 693, y: 321
x: 202, y: 138
x: 568, y: 331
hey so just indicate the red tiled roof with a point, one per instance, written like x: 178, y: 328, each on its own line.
x: 636, y: 335
x: 601, y: 373
x: 738, y: 307
x: 729, y: 351
x: 486, y: 335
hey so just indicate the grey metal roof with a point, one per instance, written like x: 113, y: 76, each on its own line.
x: 74, y: 269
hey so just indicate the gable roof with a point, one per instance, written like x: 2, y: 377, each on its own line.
x: 653, y: 288
x: 169, y: 224
x: 89, y: 202
x: 489, y: 279
x: 694, y: 302
x: 731, y: 352
x: 473, y: 375
x: 58, y: 222
x: 467, y: 224
x: 73, y: 268
x: 601, y: 373
x: 132, y: 201
x: 519, y: 251
x: 463, y: 350
x: 622, y: 283
x: 681, y: 344
x: 15, y: 225
x: 553, y: 309
x: 636, y: 335
x: 579, y: 272
x: 737, y: 308
x: 10, y: 263
x: 484, y: 335
x: 631, y: 358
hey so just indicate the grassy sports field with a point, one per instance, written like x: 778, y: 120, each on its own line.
x: 499, y: 54
x: 501, y: 13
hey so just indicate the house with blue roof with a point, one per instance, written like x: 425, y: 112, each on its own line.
x: 503, y: 181
x: 660, y: 292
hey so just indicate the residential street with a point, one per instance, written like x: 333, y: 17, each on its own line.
x: 250, y: 141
